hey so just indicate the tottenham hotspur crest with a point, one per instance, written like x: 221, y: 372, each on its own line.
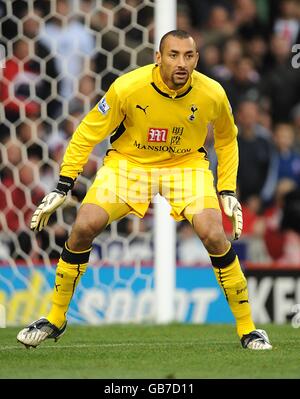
x: 193, y: 109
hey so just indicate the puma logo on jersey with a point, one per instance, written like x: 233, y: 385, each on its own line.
x: 143, y: 109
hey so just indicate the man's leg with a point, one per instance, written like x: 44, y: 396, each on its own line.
x: 208, y: 226
x: 90, y: 221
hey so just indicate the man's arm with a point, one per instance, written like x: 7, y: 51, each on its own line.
x: 99, y: 123
x: 226, y: 146
x: 225, y: 133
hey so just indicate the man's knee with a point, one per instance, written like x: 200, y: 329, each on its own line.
x: 212, y: 236
x: 209, y: 228
x: 91, y: 221
x: 86, y: 228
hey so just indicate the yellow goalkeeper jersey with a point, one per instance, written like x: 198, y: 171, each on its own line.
x: 152, y: 125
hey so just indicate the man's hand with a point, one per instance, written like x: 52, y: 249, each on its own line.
x: 43, y: 212
x: 50, y: 203
x: 233, y: 209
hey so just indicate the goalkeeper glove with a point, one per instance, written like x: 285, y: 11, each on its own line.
x: 233, y: 209
x: 50, y: 203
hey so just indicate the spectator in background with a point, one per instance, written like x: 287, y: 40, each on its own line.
x: 243, y: 84
x: 247, y: 20
x: 288, y: 158
x: 265, y: 118
x: 200, y: 10
x: 285, y: 160
x: 281, y: 83
x: 210, y: 59
x: 282, y: 235
x: 232, y: 52
x: 273, y: 215
x: 295, y: 120
x: 286, y: 25
x: 290, y: 226
x: 66, y: 37
x: 183, y: 17
x: 219, y: 26
x: 256, y: 48
x: 255, y: 151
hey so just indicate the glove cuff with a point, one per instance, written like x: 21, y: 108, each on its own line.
x: 227, y: 192
x: 64, y: 184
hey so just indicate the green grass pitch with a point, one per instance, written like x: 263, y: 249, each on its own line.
x: 182, y: 351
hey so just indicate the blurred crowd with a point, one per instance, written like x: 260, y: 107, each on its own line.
x: 61, y: 58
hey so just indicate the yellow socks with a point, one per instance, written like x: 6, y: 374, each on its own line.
x: 234, y: 285
x: 71, y: 266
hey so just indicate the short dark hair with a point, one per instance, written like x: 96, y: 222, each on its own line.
x: 181, y: 34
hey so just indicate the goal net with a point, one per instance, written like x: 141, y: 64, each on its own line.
x: 58, y: 58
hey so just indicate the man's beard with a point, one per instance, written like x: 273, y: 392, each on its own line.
x: 179, y: 82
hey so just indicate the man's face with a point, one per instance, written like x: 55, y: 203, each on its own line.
x: 177, y: 61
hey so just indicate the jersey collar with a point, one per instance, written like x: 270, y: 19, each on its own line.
x: 160, y: 86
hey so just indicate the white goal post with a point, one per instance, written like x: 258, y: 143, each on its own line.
x: 164, y: 225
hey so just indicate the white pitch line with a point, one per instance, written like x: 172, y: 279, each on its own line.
x: 10, y: 347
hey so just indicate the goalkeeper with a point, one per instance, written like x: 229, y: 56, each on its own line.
x: 157, y: 118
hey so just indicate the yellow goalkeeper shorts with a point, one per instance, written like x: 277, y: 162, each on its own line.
x: 122, y: 186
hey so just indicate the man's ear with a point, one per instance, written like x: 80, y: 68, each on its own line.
x: 197, y: 59
x: 158, y: 57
